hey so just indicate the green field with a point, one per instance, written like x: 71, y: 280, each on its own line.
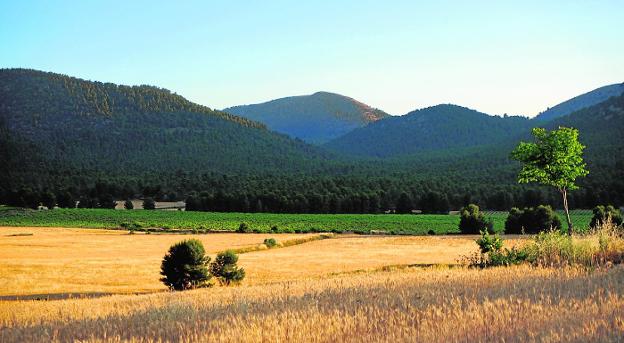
x: 259, y: 222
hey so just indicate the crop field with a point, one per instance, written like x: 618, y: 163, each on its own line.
x: 260, y: 222
x: 57, y: 262
x: 88, y: 285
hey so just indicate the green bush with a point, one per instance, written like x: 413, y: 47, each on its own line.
x: 128, y: 205
x: 274, y: 229
x: 270, y: 242
x: 224, y: 268
x: 185, y: 266
x: 603, y: 213
x: 472, y: 221
x: 532, y: 220
x: 243, y: 228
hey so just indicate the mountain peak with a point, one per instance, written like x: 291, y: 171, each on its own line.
x: 582, y: 101
x: 315, y: 118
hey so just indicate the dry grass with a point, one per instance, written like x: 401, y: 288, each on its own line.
x: 57, y: 261
x: 422, y: 305
x: 324, y: 290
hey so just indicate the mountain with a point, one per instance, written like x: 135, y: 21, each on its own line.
x: 315, y: 118
x: 433, y: 128
x: 106, y: 128
x: 582, y: 101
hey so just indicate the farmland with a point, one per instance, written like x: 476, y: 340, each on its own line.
x: 348, y: 288
x: 260, y: 222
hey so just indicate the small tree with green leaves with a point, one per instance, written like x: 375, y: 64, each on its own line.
x: 185, y: 266
x: 473, y: 221
x: 128, y: 205
x: 554, y: 159
x: 224, y: 268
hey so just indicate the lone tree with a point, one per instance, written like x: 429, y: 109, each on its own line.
x: 554, y: 159
x: 149, y: 204
x: 185, y: 266
x: 128, y: 205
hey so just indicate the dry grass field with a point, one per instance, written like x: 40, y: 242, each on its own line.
x: 339, y: 289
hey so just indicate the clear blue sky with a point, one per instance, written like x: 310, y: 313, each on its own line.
x: 515, y: 57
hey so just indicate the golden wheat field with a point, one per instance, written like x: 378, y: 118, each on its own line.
x: 348, y: 288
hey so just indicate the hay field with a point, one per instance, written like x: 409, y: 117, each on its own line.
x: 55, y: 262
x: 518, y: 304
x: 338, y: 289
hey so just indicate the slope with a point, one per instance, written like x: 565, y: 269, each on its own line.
x: 315, y: 118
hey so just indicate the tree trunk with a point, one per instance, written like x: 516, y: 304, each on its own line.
x: 564, y: 193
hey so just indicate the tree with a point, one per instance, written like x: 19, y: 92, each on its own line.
x: 404, y: 204
x: 128, y: 205
x: 48, y: 199
x: 225, y: 270
x: 554, y: 159
x: 185, y: 265
x: 602, y: 214
x: 149, y: 204
x: 472, y: 221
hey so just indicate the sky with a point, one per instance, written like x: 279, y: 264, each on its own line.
x: 514, y: 57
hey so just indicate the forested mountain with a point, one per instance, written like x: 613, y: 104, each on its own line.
x: 582, y: 101
x: 315, y: 118
x: 104, y: 127
x: 67, y: 137
x: 433, y: 128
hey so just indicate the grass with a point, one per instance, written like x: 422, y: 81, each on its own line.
x: 261, y: 222
x: 350, y: 288
x: 410, y: 305
x: 55, y: 262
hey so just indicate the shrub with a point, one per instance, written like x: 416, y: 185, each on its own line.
x: 243, y: 228
x: 489, y: 243
x: 274, y: 229
x: 532, y: 220
x: 603, y: 213
x: 128, y: 205
x: 472, y: 221
x: 149, y: 204
x: 185, y: 266
x: 224, y: 268
x: 270, y: 242
x: 491, y: 253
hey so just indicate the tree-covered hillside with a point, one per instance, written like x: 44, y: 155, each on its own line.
x: 438, y: 127
x: 582, y: 101
x: 124, y: 130
x: 315, y: 118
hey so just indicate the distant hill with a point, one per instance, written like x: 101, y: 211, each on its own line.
x: 73, y: 123
x: 433, y: 128
x: 315, y: 118
x: 582, y: 101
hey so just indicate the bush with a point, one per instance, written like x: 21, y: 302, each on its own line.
x: 274, y: 229
x: 224, y: 268
x: 472, y: 221
x: 243, y: 228
x: 128, y: 205
x: 149, y: 204
x: 270, y: 242
x: 491, y: 253
x: 532, y: 220
x: 185, y: 266
x: 603, y: 213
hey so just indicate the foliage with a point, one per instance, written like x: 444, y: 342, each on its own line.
x: 224, y: 268
x: 286, y: 223
x: 492, y: 254
x: 603, y: 214
x: 243, y: 228
x: 555, y: 159
x: 472, y: 221
x: 270, y: 242
x: 128, y: 205
x: 185, y: 266
x: 149, y: 204
x: 532, y: 220
x: 489, y: 243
